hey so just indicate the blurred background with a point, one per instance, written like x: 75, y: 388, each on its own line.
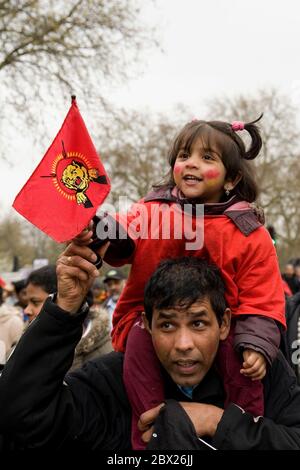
x: 140, y: 69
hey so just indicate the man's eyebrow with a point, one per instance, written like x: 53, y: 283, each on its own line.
x: 168, y: 315
x: 199, y: 313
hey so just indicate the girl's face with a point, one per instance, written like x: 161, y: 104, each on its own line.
x: 200, y: 173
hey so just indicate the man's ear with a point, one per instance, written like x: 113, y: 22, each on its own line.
x: 146, y: 323
x: 225, y: 325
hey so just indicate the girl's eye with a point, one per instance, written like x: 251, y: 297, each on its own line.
x: 184, y: 155
x: 206, y: 156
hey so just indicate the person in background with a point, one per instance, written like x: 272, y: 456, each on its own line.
x: 289, y: 277
x: 115, y: 282
x: 40, y: 283
x: 297, y: 276
x: 95, y: 339
x: 21, y: 294
x: 11, y: 328
x: 99, y: 292
x: 9, y: 297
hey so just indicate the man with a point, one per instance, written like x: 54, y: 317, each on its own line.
x: 11, y: 328
x: 40, y: 283
x: 115, y: 282
x: 95, y: 340
x: 88, y: 409
x: 289, y: 277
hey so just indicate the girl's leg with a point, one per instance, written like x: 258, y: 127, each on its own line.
x: 142, y: 377
x: 239, y: 389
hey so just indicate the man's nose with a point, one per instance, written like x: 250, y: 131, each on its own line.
x: 28, y: 310
x: 184, y: 340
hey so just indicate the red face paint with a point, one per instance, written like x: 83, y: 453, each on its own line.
x: 211, y: 174
x: 177, y: 168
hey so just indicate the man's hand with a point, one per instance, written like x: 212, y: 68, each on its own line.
x: 254, y: 365
x: 76, y: 273
x: 146, y: 422
x: 205, y: 419
x: 85, y: 237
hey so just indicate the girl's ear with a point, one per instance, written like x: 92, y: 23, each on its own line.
x: 230, y: 184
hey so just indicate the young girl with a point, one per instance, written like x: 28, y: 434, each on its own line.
x: 209, y: 166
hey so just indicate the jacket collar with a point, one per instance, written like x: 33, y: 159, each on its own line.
x: 240, y: 212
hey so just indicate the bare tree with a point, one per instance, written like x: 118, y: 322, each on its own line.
x: 50, y: 48
x: 20, y: 239
x: 277, y: 168
x: 136, y: 155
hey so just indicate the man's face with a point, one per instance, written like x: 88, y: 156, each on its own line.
x: 22, y: 296
x: 186, y: 340
x: 115, y: 287
x: 36, y: 296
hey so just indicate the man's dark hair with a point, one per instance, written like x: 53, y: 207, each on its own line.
x: 19, y: 285
x: 45, y: 278
x: 180, y: 282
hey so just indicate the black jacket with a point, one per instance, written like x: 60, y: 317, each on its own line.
x: 90, y: 410
x: 292, y: 318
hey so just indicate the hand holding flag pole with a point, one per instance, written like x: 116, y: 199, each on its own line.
x: 65, y: 190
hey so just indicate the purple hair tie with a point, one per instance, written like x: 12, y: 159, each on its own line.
x: 238, y: 126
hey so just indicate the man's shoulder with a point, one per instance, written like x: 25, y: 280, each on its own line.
x: 110, y: 363
x: 279, y: 382
x: 280, y: 367
x: 103, y: 374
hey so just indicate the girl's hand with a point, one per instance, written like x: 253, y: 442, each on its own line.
x: 254, y: 365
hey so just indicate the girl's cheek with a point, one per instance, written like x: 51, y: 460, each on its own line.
x: 211, y: 174
x: 177, y: 169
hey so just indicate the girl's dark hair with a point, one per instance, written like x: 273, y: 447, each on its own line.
x: 180, y: 282
x: 220, y: 136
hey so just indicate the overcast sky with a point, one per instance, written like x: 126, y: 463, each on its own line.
x: 211, y: 48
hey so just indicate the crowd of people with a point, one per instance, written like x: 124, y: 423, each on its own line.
x: 21, y: 301
x: 291, y: 276
x: 200, y: 348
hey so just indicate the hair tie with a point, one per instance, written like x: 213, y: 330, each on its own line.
x: 237, y: 126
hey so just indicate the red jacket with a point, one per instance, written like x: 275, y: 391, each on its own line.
x: 233, y: 239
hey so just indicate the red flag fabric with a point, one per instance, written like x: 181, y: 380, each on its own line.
x: 65, y: 190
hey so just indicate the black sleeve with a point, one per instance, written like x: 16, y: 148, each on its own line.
x: 173, y: 430
x: 238, y: 430
x: 107, y: 228
x: 279, y: 429
x: 38, y: 409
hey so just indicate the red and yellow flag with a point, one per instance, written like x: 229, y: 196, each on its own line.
x: 65, y: 190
